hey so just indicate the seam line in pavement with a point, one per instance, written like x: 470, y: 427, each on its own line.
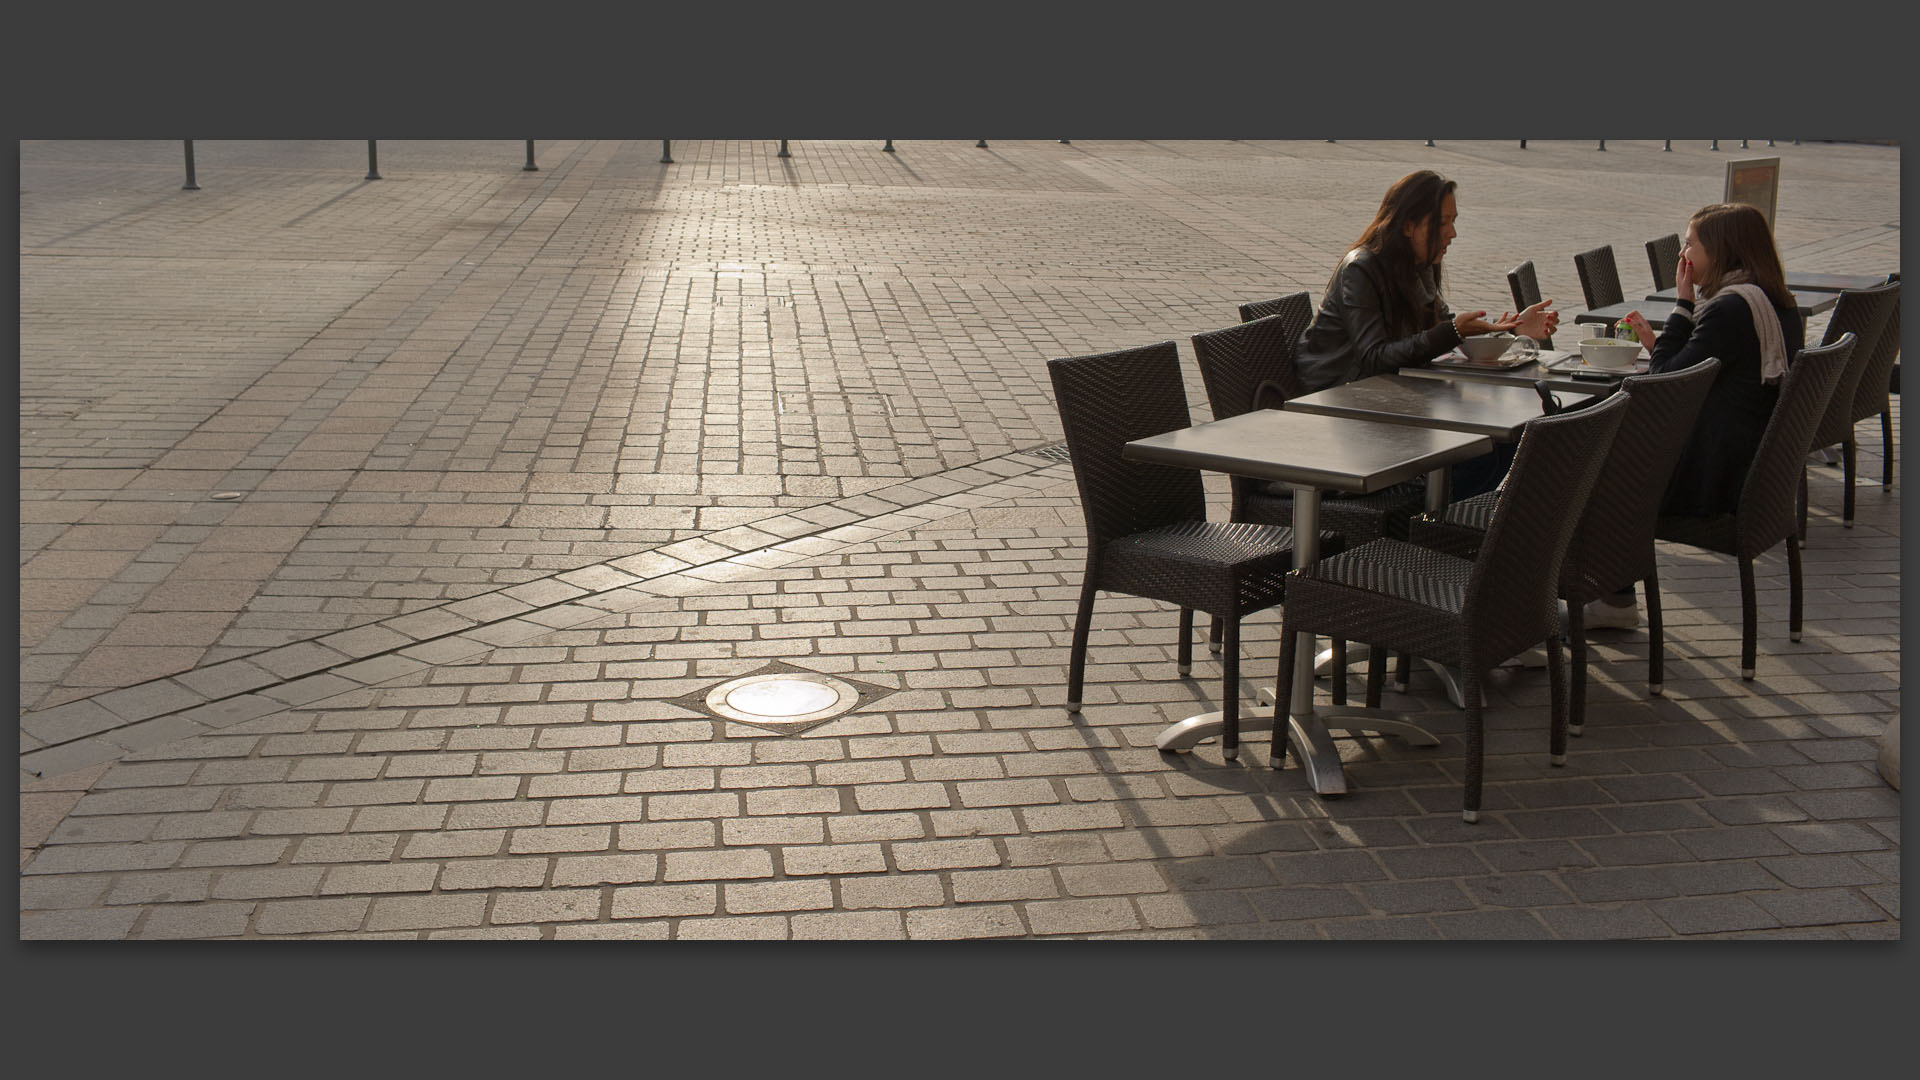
x: 81, y: 732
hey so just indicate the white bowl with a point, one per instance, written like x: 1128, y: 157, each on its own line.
x: 1608, y: 353
x: 1485, y: 348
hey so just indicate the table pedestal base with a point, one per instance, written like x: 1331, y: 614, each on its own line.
x: 1309, y: 739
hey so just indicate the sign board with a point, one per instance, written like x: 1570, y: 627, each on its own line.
x: 1756, y: 182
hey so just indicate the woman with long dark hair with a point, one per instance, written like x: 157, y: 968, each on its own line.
x: 1383, y: 308
x: 1733, y: 304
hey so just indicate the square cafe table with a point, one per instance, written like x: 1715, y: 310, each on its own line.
x: 1310, y: 454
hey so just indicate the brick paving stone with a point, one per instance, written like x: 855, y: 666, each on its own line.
x: 1593, y: 922
x: 716, y: 865
x: 557, y: 905
x: 603, y: 869
x: 1814, y: 907
x: 1491, y: 926
x: 893, y: 891
x: 849, y: 926
x: 96, y: 924
x: 1713, y: 915
x: 1327, y: 868
x: 198, y: 921
x: 986, y: 921
x: 431, y: 912
x: 1823, y: 839
x: 1401, y: 928
x: 313, y: 916
x: 1171, y: 910
x: 1818, y: 871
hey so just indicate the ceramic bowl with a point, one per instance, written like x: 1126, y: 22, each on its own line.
x: 1485, y: 348
x: 1608, y: 353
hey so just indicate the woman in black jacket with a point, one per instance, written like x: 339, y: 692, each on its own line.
x: 1744, y: 315
x: 1383, y: 309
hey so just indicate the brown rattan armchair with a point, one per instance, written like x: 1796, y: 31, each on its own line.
x: 1765, y: 514
x: 1663, y: 258
x: 1525, y: 286
x: 1469, y: 613
x: 1250, y: 366
x: 1866, y: 314
x: 1146, y: 530
x: 1612, y: 547
x: 1876, y: 386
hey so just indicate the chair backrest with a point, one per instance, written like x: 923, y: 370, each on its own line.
x: 1599, y: 277
x: 1864, y: 314
x: 1525, y: 286
x: 1768, y: 511
x: 1510, y: 593
x: 1612, y: 547
x: 1663, y: 258
x: 1870, y: 396
x: 1106, y: 401
x: 1250, y: 366
x: 1298, y: 305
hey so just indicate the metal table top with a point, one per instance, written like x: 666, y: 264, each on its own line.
x: 1482, y: 408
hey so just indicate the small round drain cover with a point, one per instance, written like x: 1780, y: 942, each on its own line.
x: 781, y: 699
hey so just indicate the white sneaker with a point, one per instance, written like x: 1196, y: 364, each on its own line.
x: 1599, y: 614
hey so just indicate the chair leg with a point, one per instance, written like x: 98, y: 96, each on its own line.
x: 1846, y: 494
x: 1748, y: 617
x: 1376, y: 674
x: 1560, y: 708
x: 1575, y: 714
x: 1077, y: 656
x: 1886, y: 448
x: 1403, y: 673
x: 1213, y: 635
x: 1283, y: 695
x: 1800, y: 504
x: 1794, y: 605
x: 1470, y: 697
x: 1230, y: 690
x: 1656, y: 641
x: 1339, y: 673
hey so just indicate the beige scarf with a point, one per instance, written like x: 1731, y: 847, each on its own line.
x: 1766, y: 324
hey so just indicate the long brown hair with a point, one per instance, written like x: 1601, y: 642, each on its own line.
x: 1413, y: 198
x: 1737, y: 238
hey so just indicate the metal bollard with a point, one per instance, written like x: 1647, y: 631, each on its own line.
x: 190, y: 185
x: 373, y: 160
x: 530, y: 166
x: 1066, y: 142
x: 1743, y: 144
x: 1769, y: 143
x: 1523, y: 144
x: 1429, y: 142
x: 783, y: 149
x: 1669, y: 146
x: 982, y: 144
x: 1603, y: 145
x: 889, y: 147
x: 666, y: 151
x: 1715, y: 146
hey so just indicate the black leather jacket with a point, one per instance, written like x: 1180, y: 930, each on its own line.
x: 1349, y: 337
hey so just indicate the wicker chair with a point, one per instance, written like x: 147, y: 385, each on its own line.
x: 1146, y: 529
x: 1473, y: 613
x: 1871, y: 395
x: 1250, y: 366
x: 1525, y: 286
x: 1663, y: 257
x: 1765, y: 514
x: 1599, y: 277
x: 1612, y: 547
x: 1294, y: 305
x: 1865, y: 313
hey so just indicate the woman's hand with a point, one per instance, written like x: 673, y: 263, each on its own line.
x: 1469, y: 323
x: 1641, y: 328
x: 1683, y: 279
x: 1539, y: 321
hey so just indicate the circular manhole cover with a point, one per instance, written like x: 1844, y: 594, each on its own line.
x: 782, y: 699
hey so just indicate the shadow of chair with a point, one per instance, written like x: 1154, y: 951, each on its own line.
x: 1765, y: 514
x: 1612, y: 547
x: 1866, y: 314
x: 1469, y: 613
x: 1146, y: 530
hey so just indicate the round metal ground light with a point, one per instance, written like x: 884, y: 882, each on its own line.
x: 783, y: 699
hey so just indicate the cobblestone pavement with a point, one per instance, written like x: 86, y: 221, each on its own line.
x: 527, y: 462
